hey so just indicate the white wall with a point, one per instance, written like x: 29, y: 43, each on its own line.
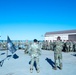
x: 54, y: 37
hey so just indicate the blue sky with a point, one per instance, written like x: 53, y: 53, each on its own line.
x: 29, y: 19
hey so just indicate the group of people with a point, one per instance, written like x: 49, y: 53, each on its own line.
x: 35, y: 51
x: 68, y: 45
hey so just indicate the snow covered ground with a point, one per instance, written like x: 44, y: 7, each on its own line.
x: 21, y: 65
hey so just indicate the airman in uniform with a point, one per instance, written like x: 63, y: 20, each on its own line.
x: 58, y: 53
x: 74, y: 46
x: 51, y: 45
x: 34, y: 52
x: 46, y: 45
x: 43, y: 44
x: 71, y: 46
x: 26, y: 46
x: 67, y: 46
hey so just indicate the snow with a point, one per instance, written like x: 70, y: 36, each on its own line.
x: 21, y: 65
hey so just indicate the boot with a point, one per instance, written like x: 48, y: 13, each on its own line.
x: 55, y: 68
x: 60, y: 65
x: 38, y: 70
x: 31, y: 70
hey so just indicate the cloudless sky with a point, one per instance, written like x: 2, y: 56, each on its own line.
x: 29, y: 19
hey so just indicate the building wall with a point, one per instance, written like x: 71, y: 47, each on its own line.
x: 72, y: 37
x: 63, y: 36
x: 54, y: 37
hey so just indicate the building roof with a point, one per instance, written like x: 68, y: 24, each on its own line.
x: 60, y: 32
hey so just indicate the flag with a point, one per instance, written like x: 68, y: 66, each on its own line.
x: 10, y: 45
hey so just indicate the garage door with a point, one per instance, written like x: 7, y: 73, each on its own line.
x: 72, y: 37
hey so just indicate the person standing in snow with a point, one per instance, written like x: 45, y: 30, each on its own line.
x: 34, y: 52
x: 27, y: 44
x: 58, y: 53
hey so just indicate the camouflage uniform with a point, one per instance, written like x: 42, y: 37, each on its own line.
x: 43, y: 45
x: 58, y: 54
x: 46, y: 45
x: 19, y: 43
x: 26, y: 46
x: 34, y: 52
x: 67, y: 46
x: 51, y: 45
x: 1, y: 45
x: 74, y: 46
x: 64, y: 46
x: 71, y: 46
x: 40, y: 44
